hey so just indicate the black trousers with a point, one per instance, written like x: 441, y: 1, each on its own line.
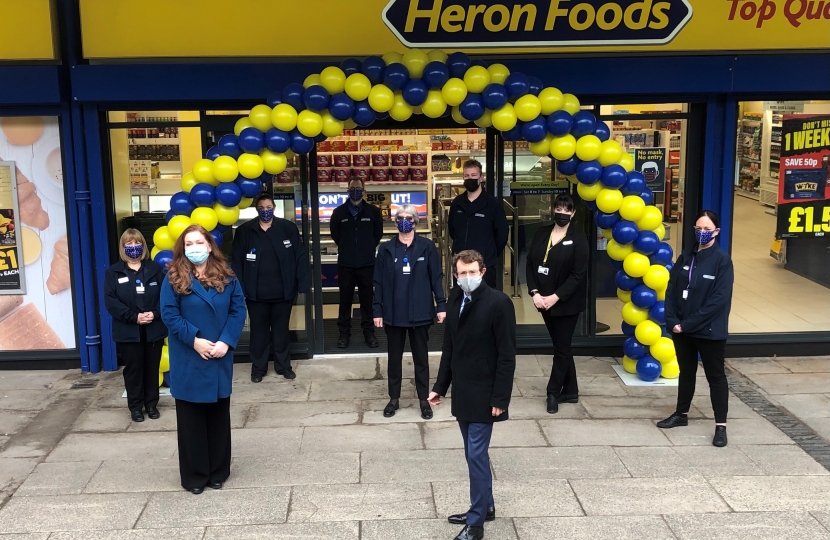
x: 712, y: 354
x: 141, y: 372
x: 204, y: 432
x: 269, y: 331
x: 418, y: 339
x: 563, y: 373
x: 347, y: 279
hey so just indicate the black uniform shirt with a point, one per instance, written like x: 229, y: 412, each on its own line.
x: 400, y: 302
x: 269, y: 278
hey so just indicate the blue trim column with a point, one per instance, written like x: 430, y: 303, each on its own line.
x: 719, y: 161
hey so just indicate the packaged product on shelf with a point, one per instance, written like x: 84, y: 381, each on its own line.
x: 324, y: 160
x: 324, y: 174
x: 285, y: 177
x: 418, y: 174
x: 342, y: 160
x: 441, y: 163
x: 400, y: 174
x: 380, y: 174
x: 396, y: 142
x: 338, y: 146
x: 418, y: 159
x: 380, y: 159
x: 351, y: 146
x: 342, y: 174
x: 362, y: 173
x: 437, y: 145
x: 324, y: 146
x: 450, y: 145
x: 361, y: 159
x: 400, y: 159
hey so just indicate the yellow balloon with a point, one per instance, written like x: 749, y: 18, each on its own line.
x: 477, y: 78
x: 272, y: 162
x: 528, y: 107
x: 570, y: 103
x: 416, y: 109
x: 155, y: 251
x: 164, y: 365
x: 632, y: 207
x: 486, y: 119
x: 634, y: 315
x: 203, y: 172
x: 630, y: 365
x: 226, y: 215
x: 454, y: 91
x: 401, y: 110
x: 333, y: 80
x: 662, y: 350
x: 618, y: 252
x: 241, y: 124
x: 332, y: 127
x: 624, y: 296
x: 349, y: 124
x: 161, y: 379
x: 392, y: 57
x: 225, y: 169
x: 260, y: 117
x: 166, y: 342
x: 589, y: 192
x: 542, y: 148
x: 415, y: 61
x: 245, y: 202
x: 636, y: 265
x: 312, y: 80
x: 437, y: 55
x: 572, y: 179
x: 657, y: 277
x: 627, y: 162
x: 358, y: 87
x: 504, y: 119
x: 188, y: 181
x: 309, y: 123
x: 177, y: 225
x: 671, y: 370
x: 498, y: 73
x: 588, y: 147
x: 660, y: 231
x: 284, y: 117
x: 606, y: 233
x: 551, y: 100
x: 456, y: 115
x: 651, y: 219
x: 250, y: 166
x: 163, y: 239
x: 381, y: 98
x: 661, y: 295
x: 610, y: 153
x: 206, y: 217
x: 609, y: 200
x: 434, y: 106
x: 563, y: 148
x: 648, y: 332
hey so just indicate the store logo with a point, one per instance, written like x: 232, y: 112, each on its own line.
x: 535, y: 23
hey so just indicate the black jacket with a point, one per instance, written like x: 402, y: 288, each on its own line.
x: 478, y: 357
x: 120, y: 297
x: 567, y: 266
x: 705, y: 313
x: 356, y: 237
x: 425, y: 282
x: 290, y: 252
x: 480, y: 225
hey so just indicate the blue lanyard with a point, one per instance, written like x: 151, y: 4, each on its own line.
x: 691, y: 267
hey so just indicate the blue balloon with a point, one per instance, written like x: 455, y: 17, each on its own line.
x: 251, y: 140
x: 635, y: 184
x: 229, y: 146
x: 180, y: 204
x: 513, y: 134
x: 634, y: 349
x: 602, y: 131
x: 669, y: 266
x: 341, y: 107
x: 228, y: 194
x: 395, y: 76
x: 316, y: 98
x: 560, y: 123
x: 364, y: 115
x: 274, y: 99
x: 569, y: 166
x: 163, y: 258
x: 293, y: 95
x: 222, y: 228
x: 170, y: 215
x: 589, y: 172
x: 249, y: 188
x: 300, y: 144
x: 625, y: 232
x: 646, y: 242
x: 647, y: 196
x: 350, y: 66
x: 592, y: 206
x: 657, y: 312
x: 217, y: 237
x: 481, y: 63
x: 494, y: 96
x: 203, y: 195
x: 436, y: 74
x: 415, y: 92
x: 614, y: 177
x: 643, y: 296
x: 584, y: 124
x: 517, y: 85
x: 472, y: 108
x: 458, y: 63
x: 607, y: 221
x: 385, y: 115
x: 213, y: 152
x: 535, y: 130
x: 320, y: 138
x: 627, y: 329
x: 373, y: 67
x: 277, y: 140
x: 648, y: 369
x: 535, y: 85
x: 625, y: 282
x: 663, y: 255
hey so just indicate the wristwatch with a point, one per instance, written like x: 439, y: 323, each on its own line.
x: 533, y: 293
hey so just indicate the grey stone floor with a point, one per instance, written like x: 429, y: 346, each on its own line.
x: 314, y: 458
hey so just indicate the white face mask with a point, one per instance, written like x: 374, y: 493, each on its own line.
x: 469, y: 284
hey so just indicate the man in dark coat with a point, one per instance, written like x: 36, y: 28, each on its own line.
x: 478, y: 359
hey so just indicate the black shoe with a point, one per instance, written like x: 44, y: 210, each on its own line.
x: 137, y: 416
x: 215, y: 485
x: 569, y: 398
x: 256, y: 378
x: 391, y: 407
x: 470, y: 533
x: 196, y: 491
x: 372, y: 341
x: 343, y: 342
x: 552, y: 404
x: 720, y: 437
x: 461, y: 519
x: 289, y: 374
x: 153, y: 413
x: 675, y: 420
x: 426, y: 410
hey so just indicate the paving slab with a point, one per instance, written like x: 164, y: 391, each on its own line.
x: 430, y: 529
x: 513, y: 499
x: 585, y: 365
x: 599, y: 385
x: 413, y: 466
x: 749, y: 366
x: 806, y: 405
x: 192, y: 533
x: 775, y: 493
x: 409, y: 411
x: 344, y: 530
x: 12, y: 421
x: 266, y: 442
x: 340, y: 369
x: 13, y: 471
x: 603, y: 433
x: 135, y: 476
x: 351, y: 390
x: 99, y: 420
x: 361, y: 438
x: 407, y: 366
x: 792, y: 383
x: 654, y: 392
x: 312, y: 413
x: 739, y: 431
x: 687, y: 462
x: 528, y: 366
x: 820, y: 425
x: 35, y: 379
x: 505, y: 434
x: 737, y: 408
x: 594, y: 528
x: 24, y: 536
x: 812, y: 364
x: 58, y: 478
x: 630, y: 407
x: 72, y: 512
x: 26, y: 400
x: 783, y: 460
x: 302, y: 469
x: 551, y: 463
x: 823, y: 518
x: 647, y: 496
x: 350, y: 502
x: 222, y: 507
x: 534, y: 408
x: 114, y: 446
x: 747, y: 526
x: 273, y: 392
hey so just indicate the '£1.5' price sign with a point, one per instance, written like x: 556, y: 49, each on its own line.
x: 805, y: 220
x: 10, y: 278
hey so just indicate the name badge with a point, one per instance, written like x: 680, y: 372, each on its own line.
x: 123, y: 280
x: 480, y: 215
x: 707, y: 276
x: 543, y: 270
x: 685, y: 294
x: 251, y: 256
x: 366, y: 219
x: 139, y: 289
x: 287, y: 243
x: 344, y: 220
x: 406, y: 269
x: 685, y: 268
x: 420, y: 258
x: 567, y: 242
x: 152, y: 283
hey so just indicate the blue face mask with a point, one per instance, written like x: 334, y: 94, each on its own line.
x: 704, y: 237
x: 196, y: 254
x: 134, y: 251
x: 405, y: 226
x: 355, y: 194
x: 266, y: 215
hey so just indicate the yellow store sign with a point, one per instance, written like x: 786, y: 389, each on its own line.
x: 27, y: 30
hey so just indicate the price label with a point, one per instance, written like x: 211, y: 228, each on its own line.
x: 806, y: 220
x: 8, y: 259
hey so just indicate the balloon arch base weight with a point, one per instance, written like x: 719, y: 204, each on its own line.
x: 631, y: 379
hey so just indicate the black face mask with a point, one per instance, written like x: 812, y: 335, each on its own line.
x: 471, y: 184
x: 561, y: 218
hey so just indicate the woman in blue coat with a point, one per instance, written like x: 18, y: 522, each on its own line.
x: 204, y: 309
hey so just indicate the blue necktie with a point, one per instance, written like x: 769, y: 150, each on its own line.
x: 464, y: 303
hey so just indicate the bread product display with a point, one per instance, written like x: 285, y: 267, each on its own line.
x: 8, y: 302
x: 59, y: 273
x: 31, y: 208
x: 26, y: 329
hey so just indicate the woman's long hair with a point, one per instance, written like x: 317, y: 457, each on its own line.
x: 217, y: 272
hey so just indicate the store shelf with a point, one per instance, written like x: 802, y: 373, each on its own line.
x: 155, y: 140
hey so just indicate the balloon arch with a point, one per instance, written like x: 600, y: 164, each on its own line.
x: 399, y: 85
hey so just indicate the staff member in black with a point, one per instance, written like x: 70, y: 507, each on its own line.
x: 698, y: 301
x: 356, y: 227
x: 271, y: 264
x: 557, y: 269
x: 407, y: 277
x: 131, y: 294
x: 478, y: 358
x: 476, y: 221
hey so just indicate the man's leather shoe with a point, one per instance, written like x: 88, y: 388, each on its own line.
x: 552, y: 404
x: 470, y: 533
x: 720, y: 436
x: 426, y: 410
x: 675, y: 420
x: 461, y: 519
x: 372, y: 341
x: 137, y: 416
x: 343, y: 341
x: 289, y: 374
x: 391, y: 407
x: 215, y: 485
x: 569, y: 398
x: 256, y: 378
x: 153, y: 413
x: 196, y: 491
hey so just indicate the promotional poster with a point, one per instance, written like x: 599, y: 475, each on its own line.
x: 11, y: 276
x: 652, y: 163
